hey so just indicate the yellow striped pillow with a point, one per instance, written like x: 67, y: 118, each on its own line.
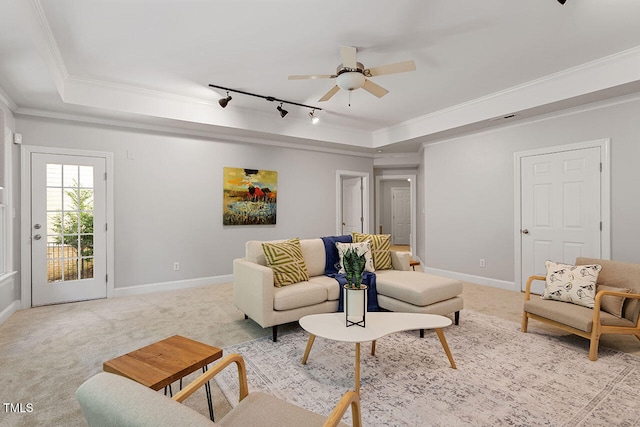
x: 286, y: 261
x: 380, y: 248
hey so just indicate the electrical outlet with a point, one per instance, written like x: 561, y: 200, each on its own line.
x: 176, y: 266
x: 482, y: 264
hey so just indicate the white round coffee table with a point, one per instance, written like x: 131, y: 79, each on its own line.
x: 332, y: 326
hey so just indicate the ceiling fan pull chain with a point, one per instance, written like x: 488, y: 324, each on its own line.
x: 350, y: 98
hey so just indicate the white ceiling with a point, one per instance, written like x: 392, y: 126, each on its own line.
x: 150, y: 61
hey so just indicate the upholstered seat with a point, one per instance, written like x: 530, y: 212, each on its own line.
x: 109, y: 400
x: 622, y: 281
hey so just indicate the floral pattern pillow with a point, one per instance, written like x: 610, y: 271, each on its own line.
x: 571, y: 283
x: 362, y: 248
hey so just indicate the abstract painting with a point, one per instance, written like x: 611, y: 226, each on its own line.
x: 250, y: 196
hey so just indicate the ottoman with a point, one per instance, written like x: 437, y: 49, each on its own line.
x: 417, y: 292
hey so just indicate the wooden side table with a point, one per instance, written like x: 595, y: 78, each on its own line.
x: 160, y: 364
x: 413, y: 264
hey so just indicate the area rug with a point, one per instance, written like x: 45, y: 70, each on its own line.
x: 503, y: 378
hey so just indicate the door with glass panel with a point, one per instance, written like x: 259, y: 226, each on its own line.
x: 68, y: 228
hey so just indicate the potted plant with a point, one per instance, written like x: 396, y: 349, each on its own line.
x: 355, y: 293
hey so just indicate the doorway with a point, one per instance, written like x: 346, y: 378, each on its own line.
x: 562, y: 209
x: 411, y: 180
x: 65, y: 226
x: 352, y: 202
x: 400, y: 215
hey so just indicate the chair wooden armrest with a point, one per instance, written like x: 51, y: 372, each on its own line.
x: 527, y: 293
x: 215, y: 370
x: 598, y: 302
x: 349, y: 399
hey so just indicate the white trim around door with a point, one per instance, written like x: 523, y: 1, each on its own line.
x: 365, y: 198
x: 25, y: 229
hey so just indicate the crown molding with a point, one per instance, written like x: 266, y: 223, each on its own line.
x: 603, y: 73
x: 307, y: 145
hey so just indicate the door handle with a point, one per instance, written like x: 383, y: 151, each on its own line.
x: 525, y: 231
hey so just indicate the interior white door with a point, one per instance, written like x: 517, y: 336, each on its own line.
x: 68, y: 228
x: 561, y: 209
x: 400, y: 215
x: 352, y: 205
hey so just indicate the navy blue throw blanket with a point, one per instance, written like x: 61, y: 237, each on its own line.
x: 332, y: 266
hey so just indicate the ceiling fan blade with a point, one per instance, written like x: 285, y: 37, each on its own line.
x: 399, y: 67
x: 319, y: 76
x: 348, y: 55
x: 327, y: 96
x: 374, y: 89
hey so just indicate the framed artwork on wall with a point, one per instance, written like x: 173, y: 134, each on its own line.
x: 250, y: 196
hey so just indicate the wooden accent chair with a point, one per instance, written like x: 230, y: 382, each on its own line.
x: 591, y: 323
x: 111, y: 400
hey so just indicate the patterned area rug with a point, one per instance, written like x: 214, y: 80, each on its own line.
x: 504, y: 377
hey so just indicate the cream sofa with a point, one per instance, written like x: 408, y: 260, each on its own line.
x: 399, y: 289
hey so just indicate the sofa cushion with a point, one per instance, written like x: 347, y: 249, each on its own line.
x: 574, y: 315
x: 286, y: 261
x: 361, y: 248
x: 314, y: 255
x: 416, y: 288
x: 612, y: 303
x: 331, y: 285
x: 298, y: 295
x: 380, y: 248
x: 620, y: 275
x: 571, y: 283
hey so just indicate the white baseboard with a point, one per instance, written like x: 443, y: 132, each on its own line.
x: 502, y: 284
x: 170, y: 286
x: 7, y: 312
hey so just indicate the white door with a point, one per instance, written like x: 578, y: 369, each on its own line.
x: 561, y: 209
x: 401, y: 215
x: 352, y: 209
x: 68, y: 228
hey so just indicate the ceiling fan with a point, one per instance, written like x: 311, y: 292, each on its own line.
x: 351, y: 75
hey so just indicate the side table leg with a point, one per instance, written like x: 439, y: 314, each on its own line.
x: 443, y: 341
x: 207, y: 389
x: 308, y: 349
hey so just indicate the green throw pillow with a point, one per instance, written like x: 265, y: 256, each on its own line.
x: 380, y: 248
x: 286, y: 261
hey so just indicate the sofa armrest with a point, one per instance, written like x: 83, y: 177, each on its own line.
x: 253, y: 290
x: 400, y: 260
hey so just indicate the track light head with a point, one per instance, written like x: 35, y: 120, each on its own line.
x: 283, y: 112
x: 562, y: 1
x: 224, y: 101
x: 314, y: 119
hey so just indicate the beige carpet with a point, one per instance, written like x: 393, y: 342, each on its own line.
x: 47, y: 352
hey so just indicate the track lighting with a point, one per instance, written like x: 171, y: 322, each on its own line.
x: 224, y: 101
x: 283, y: 112
x: 562, y: 1
x: 314, y: 119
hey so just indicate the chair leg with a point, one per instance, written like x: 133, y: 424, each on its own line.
x: 456, y: 317
x: 274, y: 330
x: 525, y: 321
x: 593, y: 347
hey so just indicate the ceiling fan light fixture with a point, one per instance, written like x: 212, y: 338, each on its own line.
x: 314, y: 119
x: 224, y: 101
x: 283, y: 112
x: 350, y: 80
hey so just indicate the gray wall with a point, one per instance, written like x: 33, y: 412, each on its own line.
x: 469, y: 187
x: 168, y: 198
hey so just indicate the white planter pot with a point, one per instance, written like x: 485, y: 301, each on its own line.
x: 355, y: 305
